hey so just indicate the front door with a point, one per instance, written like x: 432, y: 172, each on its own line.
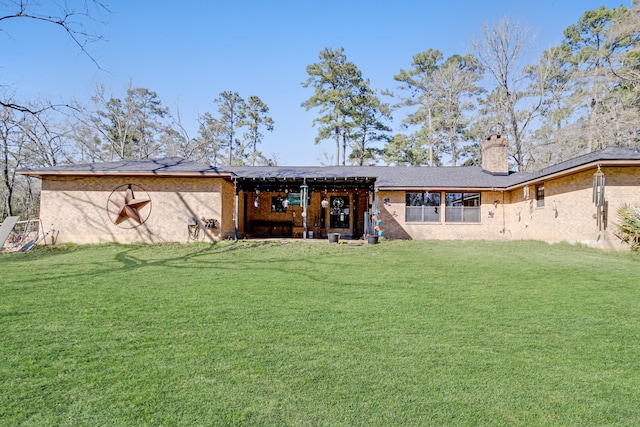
x: 339, y: 213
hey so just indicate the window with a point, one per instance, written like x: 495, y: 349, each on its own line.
x: 540, y: 195
x: 277, y: 204
x: 422, y: 207
x: 462, y: 207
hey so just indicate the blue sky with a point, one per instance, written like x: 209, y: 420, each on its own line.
x: 190, y: 51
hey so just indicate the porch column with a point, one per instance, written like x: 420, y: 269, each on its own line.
x: 235, y: 207
x: 304, y: 190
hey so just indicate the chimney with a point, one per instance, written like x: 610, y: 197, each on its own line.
x: 495, y: 158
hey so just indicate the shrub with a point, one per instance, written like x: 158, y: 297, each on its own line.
x: 629, y: 226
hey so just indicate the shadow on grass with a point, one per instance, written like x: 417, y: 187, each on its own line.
x: 135, y: 257
x: 129, y: 260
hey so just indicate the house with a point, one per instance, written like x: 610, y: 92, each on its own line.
x: 177, y: 200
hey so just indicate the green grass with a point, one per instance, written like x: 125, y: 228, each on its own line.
x: 313, y: 334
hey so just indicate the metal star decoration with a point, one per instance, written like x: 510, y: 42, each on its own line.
x: 129, y: 207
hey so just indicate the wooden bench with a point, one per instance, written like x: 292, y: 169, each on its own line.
x: 264, y: 228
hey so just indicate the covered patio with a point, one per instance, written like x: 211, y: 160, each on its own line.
x: 300, y: 202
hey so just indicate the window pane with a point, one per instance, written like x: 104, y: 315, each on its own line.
x: 432, y: 214
x: 471, y: 199
x: 462, y: 207
x: 415, y: 199
x: 453, y: 199
x: 422, y: 207
x: 432, y: 199
x: 540, y: 195
x: 454, y: 214
x: 471, y: 215
x: 277, y: 205
x: 414, y: 214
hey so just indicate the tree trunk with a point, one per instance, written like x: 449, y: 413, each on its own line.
x: 344, y: 147
x: 337, y: 130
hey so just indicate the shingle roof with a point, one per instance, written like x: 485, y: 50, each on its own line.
x: 440, y: 177
x: 609, y: 154
x: 167, y: 166
x: 386, y: 177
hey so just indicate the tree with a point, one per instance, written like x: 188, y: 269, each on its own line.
x: 128, y: 128
x: 70, y: 16
x: 369, y: 124
x: 230, y: 107
x: 441, y: 91
x: 210, y: 139
x: 25, y: 141
x: 48, y: 139
x: 555, y: 136
x: 509, y: 108
x: 177, y: 142
x: 405, y: 150
x: 254, y: 116
x: 418, y: 87
x: 147, y: 112
x: 455, y: 86
x: 13, y: 141
x: 623, y: 37
x: 111, y: 126
x: 589, y: 53
x: 335, y: 81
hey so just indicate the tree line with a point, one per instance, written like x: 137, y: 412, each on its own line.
x: 580, y: 96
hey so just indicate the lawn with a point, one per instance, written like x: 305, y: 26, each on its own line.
x: 316, y: 334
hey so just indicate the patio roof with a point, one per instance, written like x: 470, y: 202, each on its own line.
x: 279, y: 178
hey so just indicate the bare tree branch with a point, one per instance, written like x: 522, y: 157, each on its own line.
x: 71, y: 16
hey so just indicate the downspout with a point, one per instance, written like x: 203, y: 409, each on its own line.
x: 504, y: 220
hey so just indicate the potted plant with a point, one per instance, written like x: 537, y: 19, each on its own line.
x: 371, y: 228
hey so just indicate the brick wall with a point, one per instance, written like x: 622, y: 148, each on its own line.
x: 491, y: 226
x: 568, y: 213
x: 78, y: 208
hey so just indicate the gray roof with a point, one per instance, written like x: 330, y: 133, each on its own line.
x: 167, y: 166
x: 609, y: 154
x: 390, y: 177
x: 385, y: 176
